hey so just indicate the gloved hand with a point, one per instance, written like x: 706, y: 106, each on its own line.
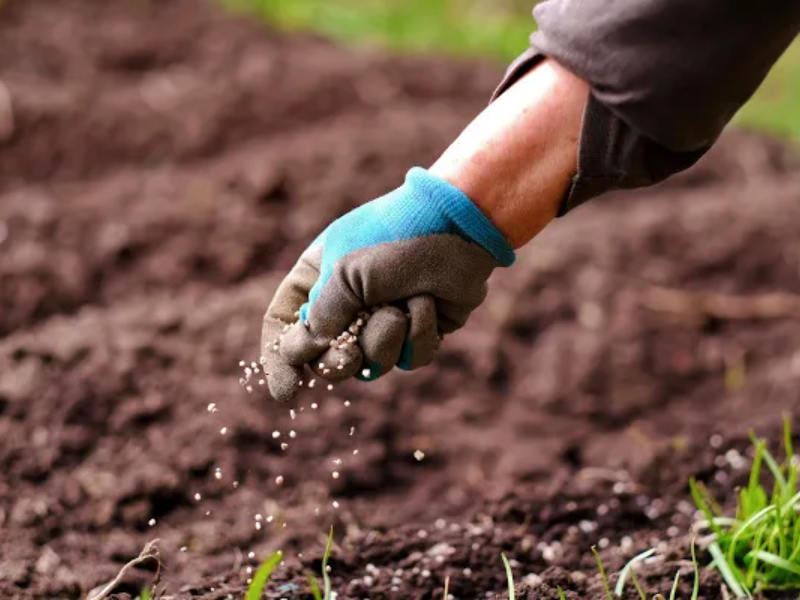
x: 381, y: 286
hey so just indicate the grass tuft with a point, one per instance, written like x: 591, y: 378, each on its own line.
x: 629, y: 571
x: 759, y: 548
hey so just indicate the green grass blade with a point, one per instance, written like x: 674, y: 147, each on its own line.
x: 787, y: 437
x: 638, y: 586
x: 325, y: 577
x: 726, y: 521
x: 726, y: 571
x: 675, y: 583
x: 145, y: 595
x: 752, y: 568
x: 602, y: 570
x: 702, y: 505
x: 790, y: 507
x: 758, y: 458
x: 262, y: 575
x: 628, y: 569
x: 312, y: 583
x: 775, y: 469
x: 796, y: 537
x: 776, y: 561
x: 696, y: 584
x: 561, y: 595
x: 510, y: 577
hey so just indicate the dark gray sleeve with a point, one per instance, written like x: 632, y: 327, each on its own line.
x: 666, y: 76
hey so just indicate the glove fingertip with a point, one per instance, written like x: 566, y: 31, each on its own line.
x: 284, y: 382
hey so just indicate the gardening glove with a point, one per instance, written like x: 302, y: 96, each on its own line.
x: 381, y: 286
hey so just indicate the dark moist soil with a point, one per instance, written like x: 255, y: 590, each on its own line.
x: 169, y: 162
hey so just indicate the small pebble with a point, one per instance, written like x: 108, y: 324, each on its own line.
x: 279, y: 480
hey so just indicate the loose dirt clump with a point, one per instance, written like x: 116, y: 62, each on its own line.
x: 166, y: 166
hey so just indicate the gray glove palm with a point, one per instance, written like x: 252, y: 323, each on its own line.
x: 381, y: 286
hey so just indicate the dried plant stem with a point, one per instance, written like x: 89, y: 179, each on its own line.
x: 721, y: 306
x: 149, y: 552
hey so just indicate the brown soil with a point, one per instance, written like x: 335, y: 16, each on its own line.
x: 167, y: 163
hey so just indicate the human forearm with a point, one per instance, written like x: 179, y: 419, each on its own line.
x: 517, y: 158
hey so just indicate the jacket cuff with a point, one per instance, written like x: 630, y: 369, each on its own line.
x: 612, y: 154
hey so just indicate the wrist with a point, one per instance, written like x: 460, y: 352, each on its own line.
x: 459, y: 212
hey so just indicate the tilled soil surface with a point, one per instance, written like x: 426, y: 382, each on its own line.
x: 162, y: 164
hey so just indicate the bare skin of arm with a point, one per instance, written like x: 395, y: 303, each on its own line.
x: 517, y: 158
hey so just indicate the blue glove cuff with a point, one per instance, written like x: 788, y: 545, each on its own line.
x: 461, y: 211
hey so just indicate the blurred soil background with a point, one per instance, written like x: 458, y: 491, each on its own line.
x: 162, y: 163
